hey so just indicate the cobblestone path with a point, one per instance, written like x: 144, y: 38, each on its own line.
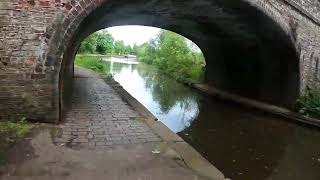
x: 99, y: 117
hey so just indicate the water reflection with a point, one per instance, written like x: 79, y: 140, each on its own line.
x: 170, y: 102
x: 243, y: 143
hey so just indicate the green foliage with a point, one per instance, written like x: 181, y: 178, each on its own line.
x: 89, y: 44
x: 135, y: 49
x: 309, y: 103
x: 165, y: 90
x: 172, y: 55
x: 93, y: 63
x: 170, y: 52
x: 17, y: 129
x: 10, y: 133
x: 121, y: 49
x: 103, y: 43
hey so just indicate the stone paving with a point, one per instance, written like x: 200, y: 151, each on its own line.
x: 99, y: 117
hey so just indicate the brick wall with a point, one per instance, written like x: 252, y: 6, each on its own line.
x: 34, y: 34
x: 30, y: 36
x: 24, y: 88
x: 304, y: 31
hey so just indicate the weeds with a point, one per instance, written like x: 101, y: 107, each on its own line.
x: 10, y: 133
x: 309, y: 103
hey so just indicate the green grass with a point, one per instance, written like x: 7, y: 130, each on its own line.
x: 94, y: 63
x: 309, y: 103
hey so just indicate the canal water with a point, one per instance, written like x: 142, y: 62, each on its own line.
x: 243, y: 143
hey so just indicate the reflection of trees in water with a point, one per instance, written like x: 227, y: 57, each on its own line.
x: 165, y: 90
x: 116, y: 67
x: 242, y: 143
x: 188, y: 105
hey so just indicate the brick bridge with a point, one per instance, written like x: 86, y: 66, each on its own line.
x: 263, y: 49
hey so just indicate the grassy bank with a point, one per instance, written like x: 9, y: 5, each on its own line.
x: 94, y: 63
x: 10, y: 133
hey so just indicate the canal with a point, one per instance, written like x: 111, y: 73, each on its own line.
x: 243, y: 143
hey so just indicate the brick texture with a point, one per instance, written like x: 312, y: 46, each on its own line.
x: 34, y: 34
x: 99, y: 117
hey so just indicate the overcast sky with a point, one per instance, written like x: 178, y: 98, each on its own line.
x: 138, y: 35
x: 133, y: 34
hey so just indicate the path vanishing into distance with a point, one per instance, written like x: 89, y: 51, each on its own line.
x: 101, y: 137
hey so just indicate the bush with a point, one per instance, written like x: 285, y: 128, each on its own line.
x: 309, y: 103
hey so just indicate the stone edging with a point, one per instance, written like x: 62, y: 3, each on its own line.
x: 283, y: 112
x: 188, y: 154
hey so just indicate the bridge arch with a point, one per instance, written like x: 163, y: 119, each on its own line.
x: 247, y: 52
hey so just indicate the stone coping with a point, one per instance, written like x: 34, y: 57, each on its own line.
x: 280, y: 111
x: 172, y: 142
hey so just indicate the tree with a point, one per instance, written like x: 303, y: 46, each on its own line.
x: 119, y: 47
x: 100, y: 42
x: 135, y: 49
x: 89, y: 44
x: 104, y: 43
x: 171, y: 53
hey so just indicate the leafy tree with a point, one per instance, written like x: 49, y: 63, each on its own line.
x: 171, y: 53
x: 104, y: 43
x: 99, y: 42
x: 89, y: 44
x: 135, y: 49
x: 119, y: 47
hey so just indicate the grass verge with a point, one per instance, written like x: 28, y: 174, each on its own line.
x: 94, y: 63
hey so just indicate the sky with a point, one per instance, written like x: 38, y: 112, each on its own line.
x: 133, y: 34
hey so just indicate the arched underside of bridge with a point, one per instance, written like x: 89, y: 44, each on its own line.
x: 246, y: 52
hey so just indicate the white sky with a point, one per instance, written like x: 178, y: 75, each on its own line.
x: 133, y: 34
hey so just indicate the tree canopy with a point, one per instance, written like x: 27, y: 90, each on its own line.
x: 104, y: 43
x: 171, y: 53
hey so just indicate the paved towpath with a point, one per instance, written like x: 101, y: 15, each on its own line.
x: 101, y: 137
x: 99, y: 117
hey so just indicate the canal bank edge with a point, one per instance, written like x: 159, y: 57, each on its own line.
x: 276, y: 110
x: 172, y: 141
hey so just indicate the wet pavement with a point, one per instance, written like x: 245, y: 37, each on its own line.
x: 101, y: 138
x: 99, y: 117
